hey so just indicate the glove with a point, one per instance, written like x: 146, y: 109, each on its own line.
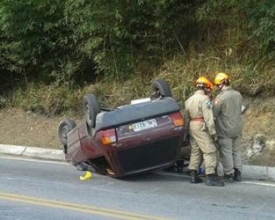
x: 214, y: 137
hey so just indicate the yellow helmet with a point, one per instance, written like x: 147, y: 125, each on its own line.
x: 220, y: 78
x: 205, y: 82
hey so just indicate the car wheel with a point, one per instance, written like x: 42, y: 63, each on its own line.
x: 64, y: 127
x: 160, y: 89
x: 91, y: 109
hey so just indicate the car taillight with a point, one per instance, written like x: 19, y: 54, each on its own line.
x: 108, y: 136
x: 177, y: 119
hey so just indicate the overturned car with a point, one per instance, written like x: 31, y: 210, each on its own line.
x: 142, y: 136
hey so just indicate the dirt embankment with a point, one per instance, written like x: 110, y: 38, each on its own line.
x: 28, y: 129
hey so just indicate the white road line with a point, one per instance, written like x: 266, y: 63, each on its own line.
x: 33, y: 160
x: 259, y: 183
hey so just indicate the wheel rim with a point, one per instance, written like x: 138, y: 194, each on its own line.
x: 64, y: 132
x: 156, y: 94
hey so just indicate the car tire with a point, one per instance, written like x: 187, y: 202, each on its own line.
x: 64, y: 127
x: 91, y: 108
x: 160, y: 89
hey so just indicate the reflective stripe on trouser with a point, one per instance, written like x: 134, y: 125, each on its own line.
x: 230, y: 154
x: 202, y: 147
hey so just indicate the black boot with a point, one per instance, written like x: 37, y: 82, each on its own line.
x: 194, y: 177
x: 237, y: 175
x: 228, y: 178
x: 213, y: 180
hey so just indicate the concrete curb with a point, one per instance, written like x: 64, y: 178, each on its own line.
x: 249, y: 171
x: 32, y: 152
x: 258, y: 172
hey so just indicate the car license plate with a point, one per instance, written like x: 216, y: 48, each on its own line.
x: 144, y: 125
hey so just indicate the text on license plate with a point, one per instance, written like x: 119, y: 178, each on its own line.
x: 144, y: 125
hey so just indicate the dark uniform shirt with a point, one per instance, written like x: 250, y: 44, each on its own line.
x: 227, y: 109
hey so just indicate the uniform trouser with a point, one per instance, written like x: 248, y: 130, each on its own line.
x: 230, y: 154
x: 202, y: 148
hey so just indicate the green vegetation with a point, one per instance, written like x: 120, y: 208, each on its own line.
x: 54, y: 52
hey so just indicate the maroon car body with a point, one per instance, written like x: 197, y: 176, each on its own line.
x: 128, y: 140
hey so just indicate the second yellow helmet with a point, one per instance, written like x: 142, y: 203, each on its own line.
x: 220, y: 78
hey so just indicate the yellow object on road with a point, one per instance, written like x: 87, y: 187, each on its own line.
x: 87, y: 176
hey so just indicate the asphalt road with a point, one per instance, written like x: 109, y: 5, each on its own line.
x: 31, y: 189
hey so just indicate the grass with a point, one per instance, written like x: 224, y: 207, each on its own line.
x: 180, y: 72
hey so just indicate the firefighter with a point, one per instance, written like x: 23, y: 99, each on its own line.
x: 227, y: 110
x: 200, y: 124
